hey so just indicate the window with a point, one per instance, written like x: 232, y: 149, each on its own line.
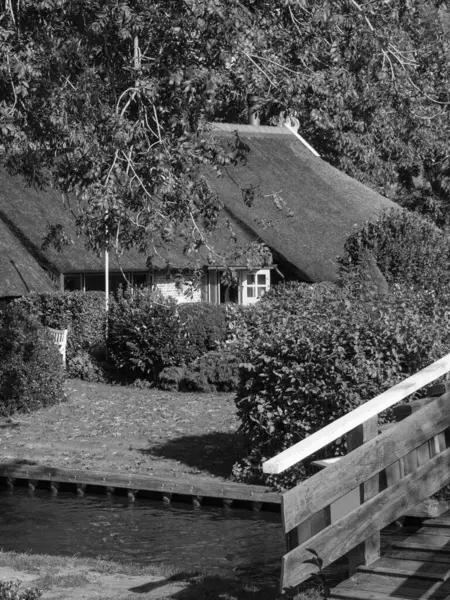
x: 73, y: 282
x: 228, y: 288
x: 256, y: 285
x: 94, y: 282
x: 140, y: 279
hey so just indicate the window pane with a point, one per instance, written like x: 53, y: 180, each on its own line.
x: 72, y: 282
x: 95, y: 283
x: 116, y: 279
x: 250, y: 292
x: 139, y: 279
x: 261, y: 291
x: 261, y: 279
x: 250, y: 280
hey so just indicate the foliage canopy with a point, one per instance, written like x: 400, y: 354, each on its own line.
x: 110, y: 101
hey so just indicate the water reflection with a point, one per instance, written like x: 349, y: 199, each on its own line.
x: 143, y: 531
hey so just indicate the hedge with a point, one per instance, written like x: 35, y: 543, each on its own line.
x: 309, y: 354
x: 149, y: 332
x: 143, y: 331
x: 31, y: 370
x: 408, y: 249
x: 83, y: 313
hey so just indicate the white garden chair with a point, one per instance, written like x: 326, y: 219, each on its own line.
x: 60, y: 339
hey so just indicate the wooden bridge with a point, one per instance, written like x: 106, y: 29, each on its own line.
x: 389, y: 472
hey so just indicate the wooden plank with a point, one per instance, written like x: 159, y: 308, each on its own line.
x: 428, y: 509
x: 349, y: 589
x: 325, y: 487
x: 423, y: 537
x: 393, y: 582
x: 365, y: 521
x: 429, y: 571
x: 417, y: 555
x: 340, y: 427
x: 355, y: 594
x: 195, y: 486
x: 443, y: 522
x: 434, y: 531
x: 369, y: 550
x: 416, y: 544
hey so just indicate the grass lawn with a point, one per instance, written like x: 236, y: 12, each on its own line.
x: 67, y: 578
x: 128, y: 430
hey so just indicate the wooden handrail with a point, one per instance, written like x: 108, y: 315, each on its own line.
x: 360, y: 415
x: 384, y: 508
x: 376, y: 512
x: 325, y: 487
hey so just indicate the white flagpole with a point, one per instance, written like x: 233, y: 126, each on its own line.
x: 106, y: 301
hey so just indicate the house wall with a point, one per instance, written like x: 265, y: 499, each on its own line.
x: 250, y: 285
x: 170, y: 289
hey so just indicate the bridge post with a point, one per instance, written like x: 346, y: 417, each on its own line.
x: 369, y: 551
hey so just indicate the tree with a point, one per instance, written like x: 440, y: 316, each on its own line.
x: 110, y: 100
x: 369, y: 82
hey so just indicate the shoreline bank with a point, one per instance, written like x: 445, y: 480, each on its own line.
x: 74, y: 578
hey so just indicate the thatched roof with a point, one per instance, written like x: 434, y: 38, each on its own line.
x: 20, y: 273
x: 304, y: 209
x: 28, y: 212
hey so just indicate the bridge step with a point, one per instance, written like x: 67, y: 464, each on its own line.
x: 417, y: 555
x: 435, y: 544
x: 433, y: 529
x: 363, y: 586
x: 443, y: 522
x: 415, y: 566
x: 410, y: 568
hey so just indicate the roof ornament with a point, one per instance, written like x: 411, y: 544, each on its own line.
x: 293, y: 124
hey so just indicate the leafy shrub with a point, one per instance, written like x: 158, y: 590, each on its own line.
x: 171, y: 378
x: 31, y: 370
x: 143, y: 332
x: 309, y: 359
x: 408, y: 249
x: 216, y: 370
x: 83, y: 366
x: 82, y: 313
x: 10, y: 590
x: 203, y: 327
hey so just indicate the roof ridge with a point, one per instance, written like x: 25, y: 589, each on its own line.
x: 245, y: 128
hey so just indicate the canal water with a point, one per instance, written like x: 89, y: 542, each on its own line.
x: 144, y: 531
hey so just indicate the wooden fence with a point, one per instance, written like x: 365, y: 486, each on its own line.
x: 412, y: 457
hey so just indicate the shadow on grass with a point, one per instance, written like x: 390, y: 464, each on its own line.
x: 21, y: 461
x: 214, y: 452
x: 208, y: 587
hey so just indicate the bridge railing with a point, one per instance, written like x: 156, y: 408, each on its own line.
x: 357, y: 533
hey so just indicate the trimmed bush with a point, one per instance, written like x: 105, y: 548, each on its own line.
x: 217, y: 370
x: 143, y: 332
x: 203, y: 327
x: 171, y: 378
x: 408, y: 249
x: 31, y: 370
x: 82, y: 313
x: 309, y: 359
x: 83, y: 366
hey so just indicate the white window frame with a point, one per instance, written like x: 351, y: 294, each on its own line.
x: 255, y: 288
